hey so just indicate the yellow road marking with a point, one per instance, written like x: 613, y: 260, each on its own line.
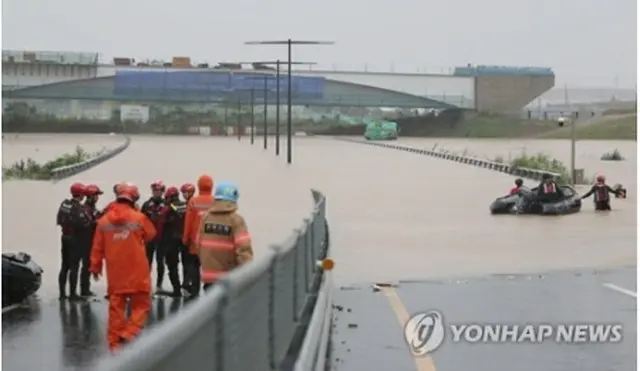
x: 422, y: 363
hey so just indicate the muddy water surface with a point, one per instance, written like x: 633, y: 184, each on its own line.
x: 588, y: 153
x: 399, y: 215
x: 394, y: 216
x: 45, y: 147
x: 272, y: 200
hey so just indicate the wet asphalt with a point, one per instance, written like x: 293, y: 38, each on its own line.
x: 64, y: 335
x: 368, y: 335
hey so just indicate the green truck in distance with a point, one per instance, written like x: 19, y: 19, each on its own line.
x: 384, y: 130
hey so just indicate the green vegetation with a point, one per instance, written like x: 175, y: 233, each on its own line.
x: 545, y: 163
x: 501, y: 126
x: 631, y: 109
x: 621, y: 128
x: 612, y: 156
x: 22, y: 118
x: 30, y: 169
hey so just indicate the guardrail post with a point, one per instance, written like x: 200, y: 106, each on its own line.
x: 296, y: 298
x: 308, y: 254
x: 272, y: 307
x: 220, y: 328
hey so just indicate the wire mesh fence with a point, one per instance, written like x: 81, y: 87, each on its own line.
x: 251, y: 319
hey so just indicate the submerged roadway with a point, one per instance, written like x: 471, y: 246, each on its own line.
x: 417, y: 223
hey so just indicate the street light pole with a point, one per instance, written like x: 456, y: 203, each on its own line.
x: 278, y: 107
x: 289, y: 44
x: 572, y: 121
x: 253, y: 121
x: 289, y: 153
x: 265, y: 78
x: 573, y: 150
x: 266, y: 92
x: 239, y: 120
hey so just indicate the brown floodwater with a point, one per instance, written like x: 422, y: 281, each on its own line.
x: 273, y: 202
x: 393, y: 215
x: 45, y: 147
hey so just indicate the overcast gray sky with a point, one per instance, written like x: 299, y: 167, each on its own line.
x: 587, y: 42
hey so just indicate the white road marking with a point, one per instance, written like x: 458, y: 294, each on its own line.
x: 621, y: 290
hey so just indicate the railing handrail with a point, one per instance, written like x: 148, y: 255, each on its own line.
x: 70, y: 170
x: 523, y: 172
x: 209, y: 333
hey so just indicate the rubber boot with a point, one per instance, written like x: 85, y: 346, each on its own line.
x: 73, y: 287
x: 62, y: 290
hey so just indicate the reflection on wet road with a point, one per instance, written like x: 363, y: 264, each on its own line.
x: 63, y: 335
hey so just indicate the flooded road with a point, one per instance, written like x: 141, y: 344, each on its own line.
x: 395, y: 216
x: 588, y: 153
x: 272, y: 202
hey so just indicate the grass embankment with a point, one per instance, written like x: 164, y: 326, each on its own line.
x: 627, y: 109
x: 620, y: 128
x: 545, y: 163
x: 30, y: 169
x: 500, y: 127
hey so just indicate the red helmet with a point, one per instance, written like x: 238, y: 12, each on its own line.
x: 171, y: 192
x: 117, y: 188
x: 92, y: 190
x: 600, y: 179
x: 187, y: 187
x: 77, y: 189
x: 129, y: 192
x: 158, y: 185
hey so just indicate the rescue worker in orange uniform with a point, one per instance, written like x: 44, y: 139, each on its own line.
x: 120, y: 240
x: 92, y: 192
x: 196, y: 208
x: 117, y: 188
x: 224, y: 242
x: 600, y: 192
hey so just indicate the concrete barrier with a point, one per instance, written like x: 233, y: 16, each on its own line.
x: 521, y: 172
x: 71, y: 170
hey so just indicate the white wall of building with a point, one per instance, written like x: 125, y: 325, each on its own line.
x: 21, y: 75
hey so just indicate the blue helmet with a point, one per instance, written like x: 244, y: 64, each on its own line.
x: 226, y: 191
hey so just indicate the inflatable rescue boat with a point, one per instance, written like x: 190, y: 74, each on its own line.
x: 527, y: 202
x: 21, y: 278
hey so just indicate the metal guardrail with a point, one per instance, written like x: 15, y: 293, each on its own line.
x: 522, y: 172
x: 261, y: 316
x: 70, y: 170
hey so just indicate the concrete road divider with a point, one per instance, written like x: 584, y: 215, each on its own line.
x: 473, y: 161
x: 71, y: 170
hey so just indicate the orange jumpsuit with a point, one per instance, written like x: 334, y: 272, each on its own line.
x: 110, y: 204
x: 119, y: 240
x: 196, y: 208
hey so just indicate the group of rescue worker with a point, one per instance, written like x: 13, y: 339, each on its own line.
x: 204, y: 231
x: 549, y: 190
